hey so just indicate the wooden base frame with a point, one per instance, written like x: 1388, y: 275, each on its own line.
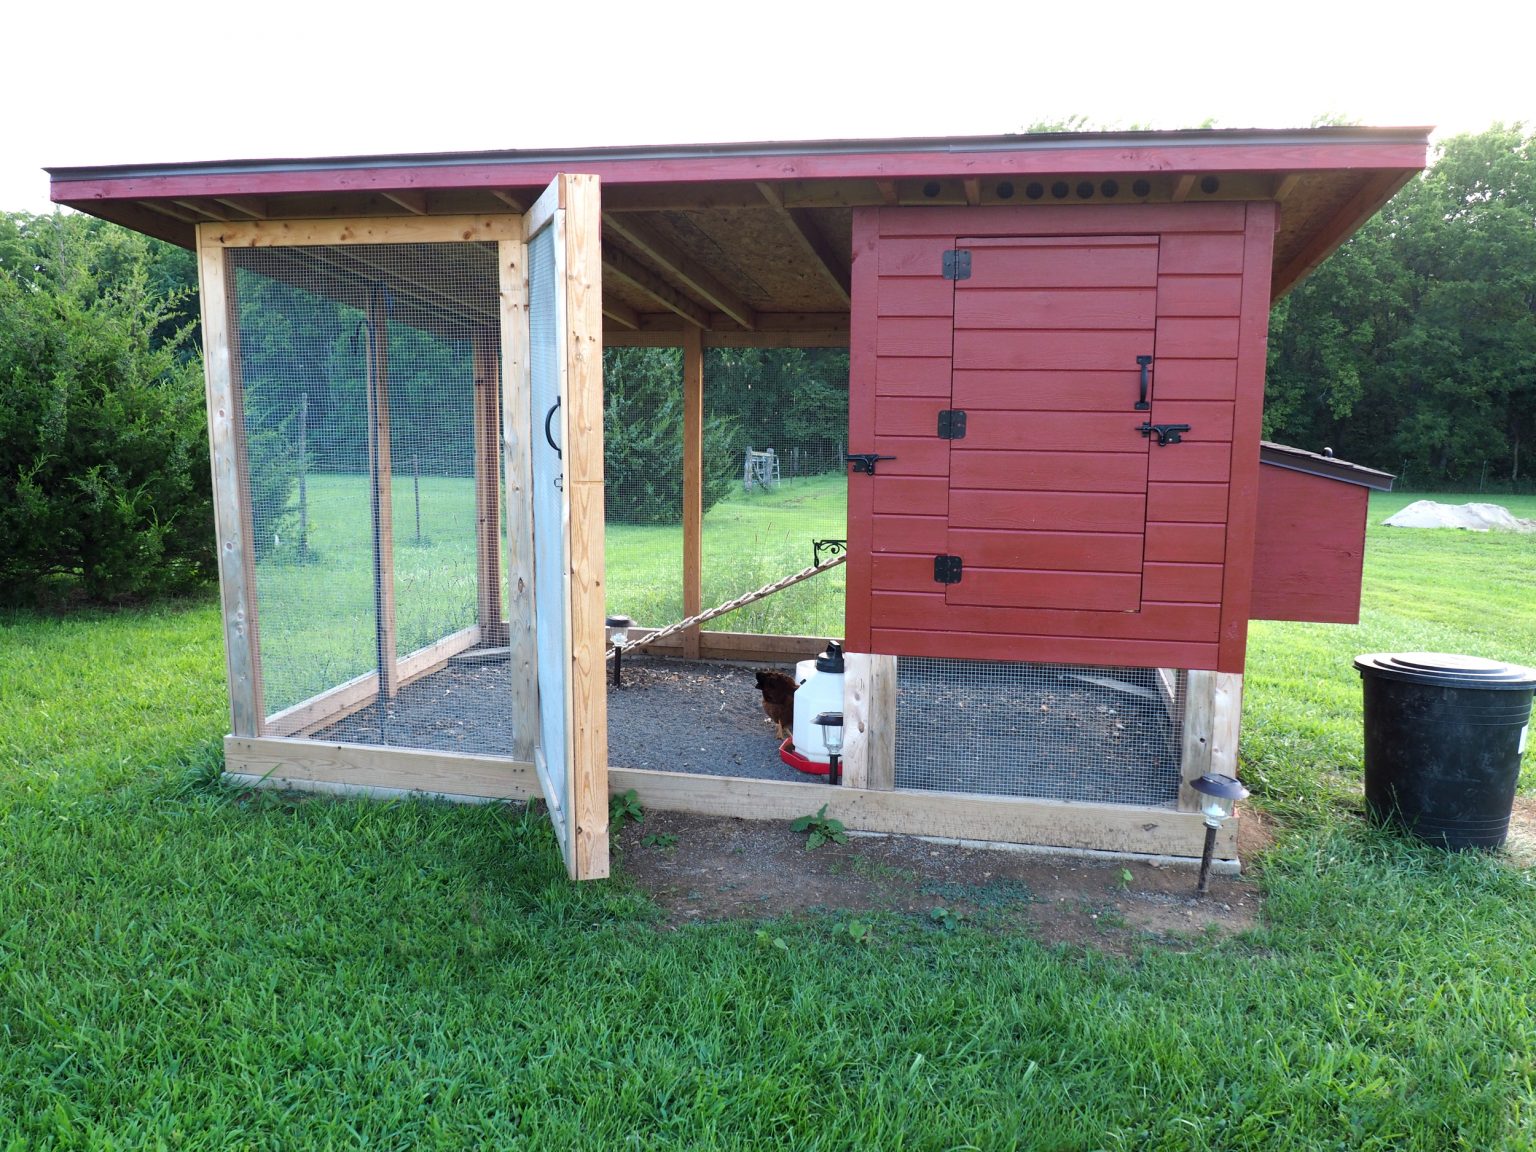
x: 1000, y: 819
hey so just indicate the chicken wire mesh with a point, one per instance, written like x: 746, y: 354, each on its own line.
x: 775, y: 482
x: 368, y: 380
x: 1046, y: 731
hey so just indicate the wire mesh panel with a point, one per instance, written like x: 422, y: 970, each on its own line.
x: 643, y: 483
x: 775, y: 438
x: 1048, y: 731
x: 372, y: 481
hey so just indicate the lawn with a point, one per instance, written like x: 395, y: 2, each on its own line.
x: 187, y: 966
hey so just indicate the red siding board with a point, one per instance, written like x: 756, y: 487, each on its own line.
x: 910, y: 495
x: 1197, y: 337
x: 1187, y: 543
x: 1044, y: 471
x: 913, y: 336
x: 1192, y: 462
x: 909, y: 416
x: 1310, y: 548
x: 1045, y: 551
x: 1188, y: 583
x: 1208, y: 420
x: 1193, y: 503
x: 914, y: 610
x: 1203, y: 253
x: 1064, y: 267
x: 1058, y: 511
x: 928, y: 534
x: 1005, y: 588
x: 1199, y: 295
x: 1176, y: 379
x: 1049, y: 350
x: 911, y: 456
x: 912, y: 376
x: 926, y: 295
x: 1096, y: 308
x: 1060, y: 391
x: 1071, y: 431
x: 919, y: 256
x: 1045, y: 649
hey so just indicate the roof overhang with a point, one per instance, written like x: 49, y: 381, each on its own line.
x: 768, y: 224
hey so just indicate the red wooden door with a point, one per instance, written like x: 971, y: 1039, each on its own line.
x: 1048, y: 486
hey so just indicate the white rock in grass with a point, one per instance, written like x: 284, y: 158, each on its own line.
x: 1473, y: 517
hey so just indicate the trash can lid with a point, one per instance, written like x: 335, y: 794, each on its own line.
x: 1445, y: 670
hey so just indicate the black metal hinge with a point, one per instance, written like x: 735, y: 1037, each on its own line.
x: 947, y: 569
x: 957, y: 264
x: 952, y: 424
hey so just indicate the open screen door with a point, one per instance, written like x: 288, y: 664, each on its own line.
x: 562, y: 439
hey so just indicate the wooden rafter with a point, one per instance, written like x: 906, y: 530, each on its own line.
x: 678, y: 198
x: 511, y: 201
x: 251, y: 209
x: 1182, y: 189
x: 168, y: 209
x: 805, y: 229
x: 202, y: 210
x: 413, y: 202
x: 973, y: 190
x: 630, y: 270
x: 678, y: 266
x: 1286, y: 185
x: 621, y: 314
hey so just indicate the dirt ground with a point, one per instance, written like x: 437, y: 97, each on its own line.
x: 701, y: 868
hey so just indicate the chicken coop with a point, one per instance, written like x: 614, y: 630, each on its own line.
x: 986, y: 410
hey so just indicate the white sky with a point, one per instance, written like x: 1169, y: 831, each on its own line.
x: 112, y: 82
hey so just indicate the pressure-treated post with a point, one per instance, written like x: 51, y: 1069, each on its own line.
x: 382, y: 495
x: 693, y: 484
x: 488, y: 485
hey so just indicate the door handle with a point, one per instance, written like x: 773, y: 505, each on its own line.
x: 548, y: 419
x: 1143, y: 362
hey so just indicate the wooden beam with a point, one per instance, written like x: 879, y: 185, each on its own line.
x: 972, y: 190
x: 513, y: 202
x: 367, y: 230
x: 1356, y: 211
x: 869, y: 721
x: 695, y: 197
x: 487, y: 479
x: 1226, y: 721
x: 1182, y: 189
x: 693, y: 485
x: 678, y: 266
x: 888, y: 192
x: 630, y: 270
x: 1199, y: 718
x: 201, y: 210
x: 516, y: 422
x: 1286, y: 185
x: 997, y: 819
x: 621, y: 314
x: 413, y: 202
x: 165, y: 208
x: 802, y: 225
x: 231, y: 494
x: 251, y: 209
x: 582, y: 284
x: 382, y: 499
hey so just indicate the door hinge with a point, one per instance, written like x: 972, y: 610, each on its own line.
x: 947, y: 569
x: 951, y: 424
x: 957, y: 264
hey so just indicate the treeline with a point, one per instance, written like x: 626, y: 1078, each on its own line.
x: 1412, y: 349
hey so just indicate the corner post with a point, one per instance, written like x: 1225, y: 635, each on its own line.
x: 693, y: 484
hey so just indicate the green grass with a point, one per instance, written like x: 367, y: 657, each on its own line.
x: 187, y: 966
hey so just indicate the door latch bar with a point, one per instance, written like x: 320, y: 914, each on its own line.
x: 1166, y: 433
x: 865, y: 461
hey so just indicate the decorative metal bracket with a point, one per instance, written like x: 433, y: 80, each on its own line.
x: 830, y: 547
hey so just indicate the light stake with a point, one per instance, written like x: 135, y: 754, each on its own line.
x: 619, y: 626
x: 1221, y: 792
x: 831, y: 725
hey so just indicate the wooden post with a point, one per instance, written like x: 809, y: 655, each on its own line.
x: 512, y: 265
x: 487, y: 485
x: 693, y: 484
x: 869, y: 721
x: 304, y: 476
x: 231, y: 487
x: 1213, y: 706
x: 583, y: 288
x: 382, y: 500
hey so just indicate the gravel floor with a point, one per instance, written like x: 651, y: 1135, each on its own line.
x: 1059, y: 736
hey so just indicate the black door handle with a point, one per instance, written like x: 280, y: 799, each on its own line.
x: 1143, y: 362
x: 548, y: 435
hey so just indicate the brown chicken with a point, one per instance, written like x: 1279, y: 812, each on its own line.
x: 778, y: 692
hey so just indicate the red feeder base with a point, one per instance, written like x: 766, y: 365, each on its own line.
x: 799, y: 762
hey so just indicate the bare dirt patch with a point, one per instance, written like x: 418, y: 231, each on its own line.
x: 709, y: 868
x: 1521, y: 844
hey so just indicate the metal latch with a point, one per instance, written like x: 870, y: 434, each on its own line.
x: 952, y: 424
x: 957, y: 264
x: 947, y: 569
x: 1166, y: 433
x: 865, y: 461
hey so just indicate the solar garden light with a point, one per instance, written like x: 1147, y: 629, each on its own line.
x: 831, y: 725
x: 1221, y: 792
x: 619, y: 626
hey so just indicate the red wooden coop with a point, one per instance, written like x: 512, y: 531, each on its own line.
x: 1056, y: 484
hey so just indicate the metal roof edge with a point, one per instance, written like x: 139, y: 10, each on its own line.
x: 1020, y: 142
x: 1315, y: 464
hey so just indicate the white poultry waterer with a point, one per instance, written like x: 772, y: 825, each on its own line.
x: 821, y: 690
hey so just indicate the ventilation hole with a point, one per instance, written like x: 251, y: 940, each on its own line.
x: 1060, y: 189
x: 1034, y: 190
x: 1141, y: 188
x: 1085, y: 190
x: 1109, y: 189
x: 1209, y: 184
x: 931, y: 189
x: 1005, y: 190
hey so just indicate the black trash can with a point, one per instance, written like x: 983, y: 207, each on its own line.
x: 1443, y: 740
